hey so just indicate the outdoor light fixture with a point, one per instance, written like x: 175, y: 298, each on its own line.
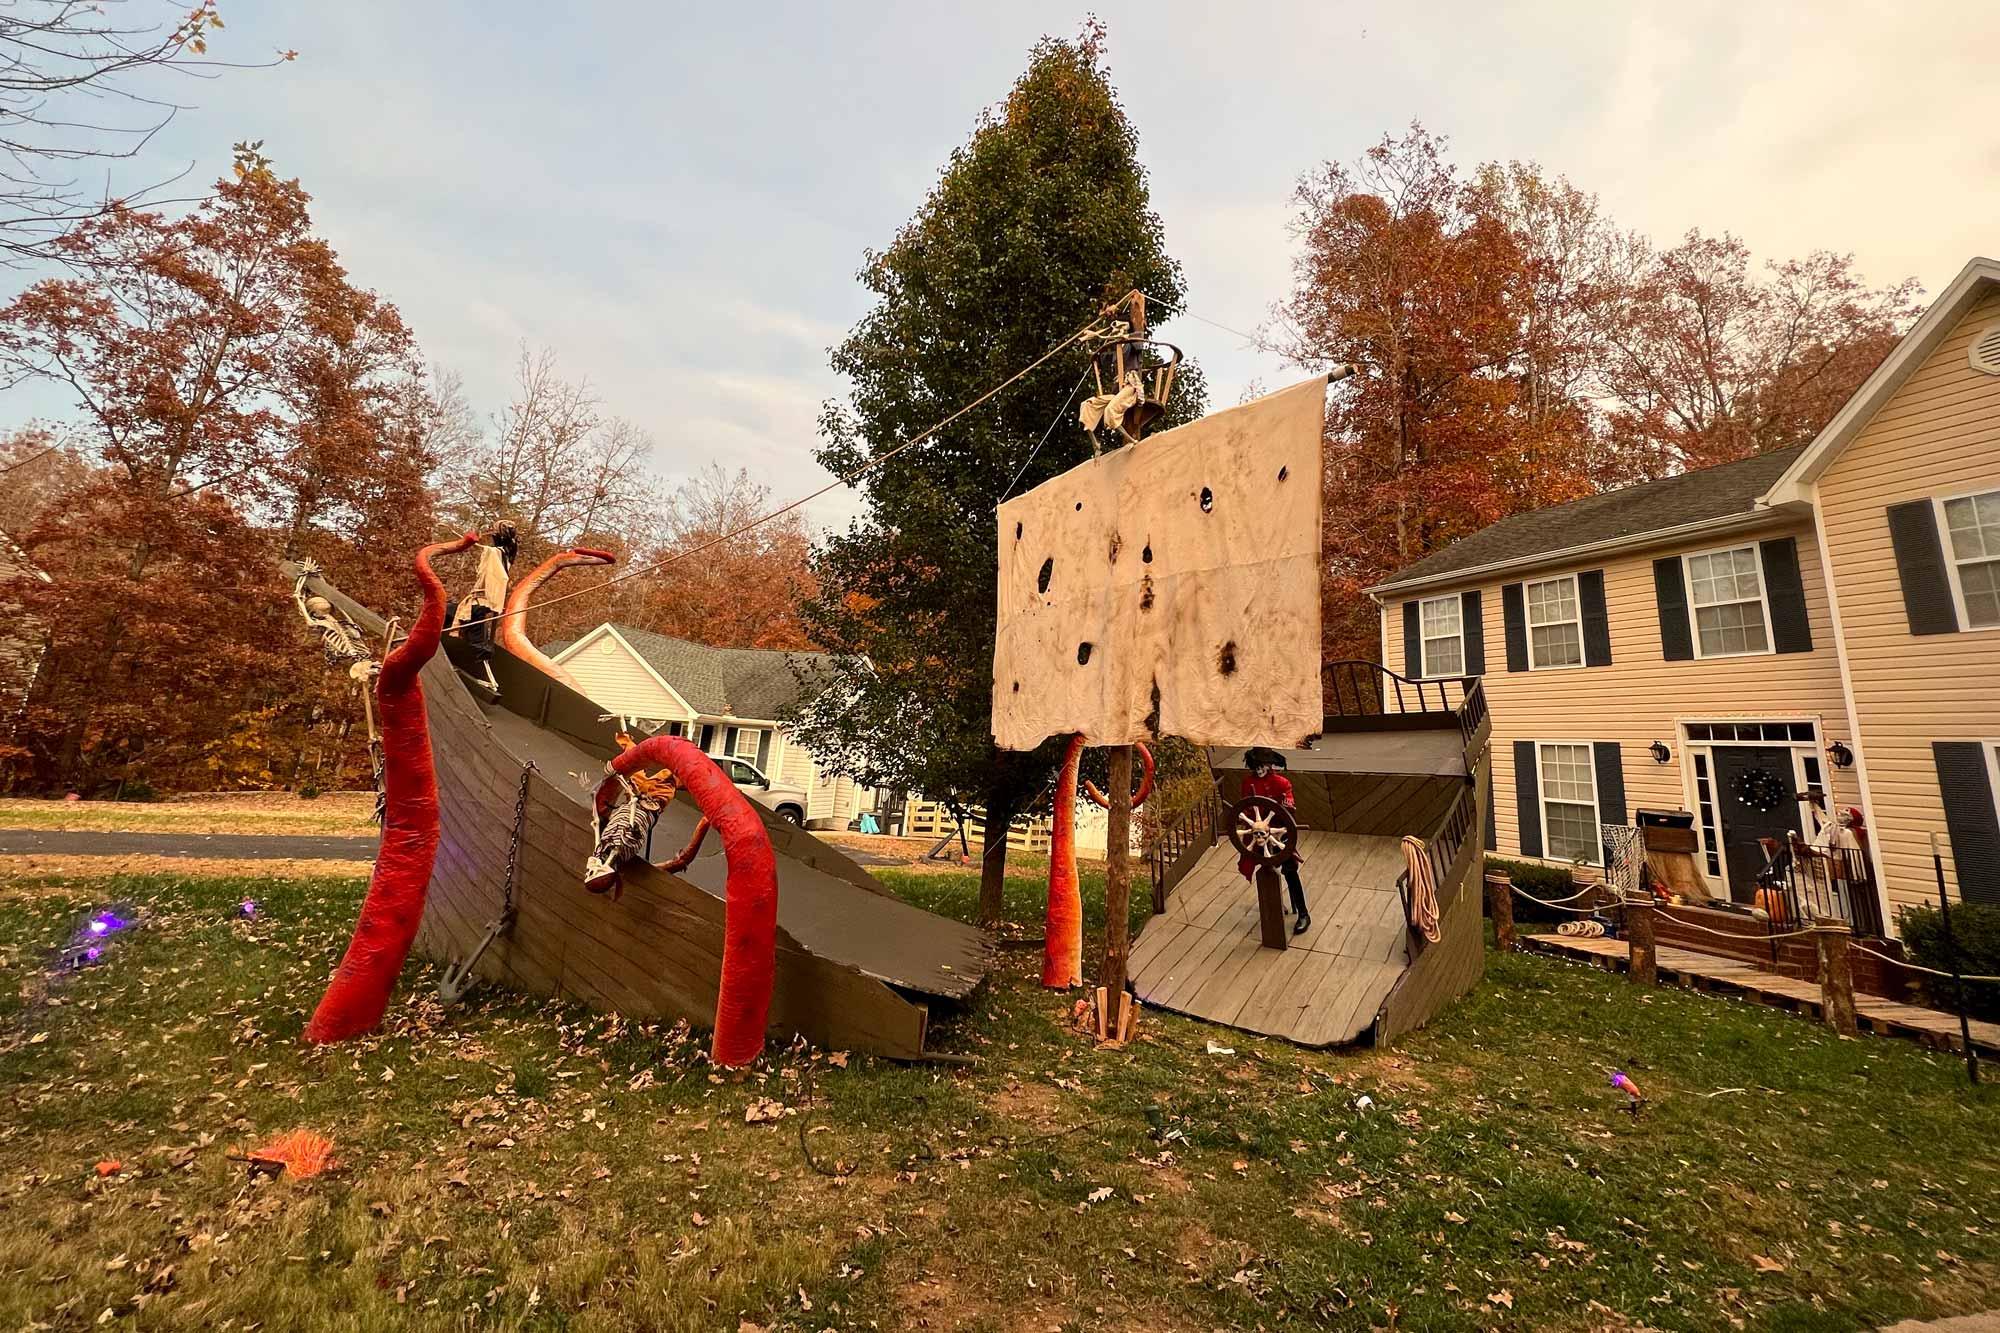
x: 1660, y: 752
x: 1839, y: 755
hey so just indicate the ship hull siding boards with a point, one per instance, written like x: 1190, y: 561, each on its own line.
x: 1846, y: 590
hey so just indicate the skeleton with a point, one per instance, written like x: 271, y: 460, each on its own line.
x: 339, y: 637
x: 622, y: 834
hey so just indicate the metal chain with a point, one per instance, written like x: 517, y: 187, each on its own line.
x: 514, y: 842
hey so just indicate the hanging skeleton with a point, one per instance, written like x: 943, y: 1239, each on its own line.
x: 339, y: 637
x: 622, y: 835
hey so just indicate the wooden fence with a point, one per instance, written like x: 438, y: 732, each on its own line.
x: 931, y: 819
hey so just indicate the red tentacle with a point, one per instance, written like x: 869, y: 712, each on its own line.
x: 514, y: 624
x: 689, y: 852
x: 1096, y: 796
x: 750, y: 907
x: 358, y: 995
x: 1062, y: 928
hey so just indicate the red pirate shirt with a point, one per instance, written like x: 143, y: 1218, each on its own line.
x: 1279, y: 788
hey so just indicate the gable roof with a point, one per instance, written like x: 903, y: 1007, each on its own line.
x: 754, y: 683
x: 1708, y: 497
x: 1979, y: 279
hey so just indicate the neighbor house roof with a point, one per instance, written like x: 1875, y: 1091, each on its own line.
x: 1710, y: 496
x: 757, y: 683
x: 1978, y: 280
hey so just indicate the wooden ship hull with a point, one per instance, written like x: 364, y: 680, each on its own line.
x: 1398, y: 758
x: 857, y: 968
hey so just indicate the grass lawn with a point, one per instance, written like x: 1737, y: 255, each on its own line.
x: 341, y: 814
x: 519, y: 1164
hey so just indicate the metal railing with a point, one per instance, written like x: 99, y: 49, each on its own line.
x: 1355, y: 687
x: 1835, y: 882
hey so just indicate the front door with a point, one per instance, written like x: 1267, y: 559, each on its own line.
x: 1757, y: 799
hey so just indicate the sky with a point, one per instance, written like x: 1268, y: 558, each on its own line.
x: 676, y: 198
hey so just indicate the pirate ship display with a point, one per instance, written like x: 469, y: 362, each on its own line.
x: 1170, y: 586
x: 524, y: 802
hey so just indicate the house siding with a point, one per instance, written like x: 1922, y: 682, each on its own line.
x: 607, y: 674
x: 1939, y: 434
x: 1641, y: 697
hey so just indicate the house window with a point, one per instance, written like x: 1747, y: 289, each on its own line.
x: 1704, y: 792
x: 746, y: 744
x: 1973, y: 522
x: 1444, y: 637
x: 1555, y: 623
x: 1569, y: 803
x: 1726, y: 590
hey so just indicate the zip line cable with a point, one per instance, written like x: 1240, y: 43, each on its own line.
x: 1022, y: 470
x: 833, y: 485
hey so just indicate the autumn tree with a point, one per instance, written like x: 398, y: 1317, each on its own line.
x: 558, y: 465
x: 1709, y: 361
x: 1406, y: 272
x: 739, y: 591
x: 232, y: 384
x: 1041, y: 218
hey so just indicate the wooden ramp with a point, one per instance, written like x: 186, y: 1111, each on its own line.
x: 1201, y: 956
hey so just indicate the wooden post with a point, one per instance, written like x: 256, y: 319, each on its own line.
x: 1644, y: 966
x: 1117, y: 873
x: 1270, y: 909
x: 1500, y: 902
x: 1836, y: 977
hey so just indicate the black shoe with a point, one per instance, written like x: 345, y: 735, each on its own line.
x: 1303, y: 924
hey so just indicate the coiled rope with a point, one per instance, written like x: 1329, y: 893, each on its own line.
x: 1423, y: 889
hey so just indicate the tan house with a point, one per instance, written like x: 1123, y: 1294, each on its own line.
x: 730, y: 701
x: 1760, y: 644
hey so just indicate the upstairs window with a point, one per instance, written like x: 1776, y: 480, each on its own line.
x: 1972, y: 525
x: 1555, y: 623
x: 1726, y: 595
x: 1443, y: 636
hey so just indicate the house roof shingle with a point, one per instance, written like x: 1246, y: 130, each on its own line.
x: 723, y: 682
x: 1632, y: 511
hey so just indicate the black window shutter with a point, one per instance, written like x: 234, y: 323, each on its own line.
x: 1475, y: 633
x: 1790, y: 631
x: 1527, y: 792
x: 1676, y: 643
x: 1514, y: 612
x: 1413, y: 643
x: 1970, y: 819
x: 729, y: 740
x: 764, y: 752
x: 1492, y: 824
x: 1610, y: 782
x: 1920, y: 563
x: 1596, y: 620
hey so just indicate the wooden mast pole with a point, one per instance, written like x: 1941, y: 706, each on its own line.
x: 1118, y: 831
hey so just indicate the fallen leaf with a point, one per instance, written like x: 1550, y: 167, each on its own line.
x: 1766, y: 1264
x: 838, y: 1059
x: 1502, y: 1297
x: 1454, y: 1219
x: 761, y: 1110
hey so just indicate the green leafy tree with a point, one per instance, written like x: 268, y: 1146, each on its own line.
x: 1040, y: 219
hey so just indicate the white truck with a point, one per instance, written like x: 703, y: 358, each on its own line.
x: 788, y: 803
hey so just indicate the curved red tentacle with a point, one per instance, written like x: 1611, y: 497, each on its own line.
x: 1090, y: 789
x: 750, y: 905
x: 358, y: 995
x: 692, y: 850
x: 514, y: 623
x: 1062, y: 927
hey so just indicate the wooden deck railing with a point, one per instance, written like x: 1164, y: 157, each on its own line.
x: 1443, y: 847
x: 1179, y: 844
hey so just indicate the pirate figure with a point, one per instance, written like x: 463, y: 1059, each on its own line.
x: 1265, y: 780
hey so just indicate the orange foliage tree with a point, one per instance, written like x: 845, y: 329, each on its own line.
x: 240, y: 398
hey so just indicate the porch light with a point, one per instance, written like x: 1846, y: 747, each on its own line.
x: 1839, y: 755
x: 1661, y: 754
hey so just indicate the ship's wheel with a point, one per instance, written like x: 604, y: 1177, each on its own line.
x: 1263, y: 830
